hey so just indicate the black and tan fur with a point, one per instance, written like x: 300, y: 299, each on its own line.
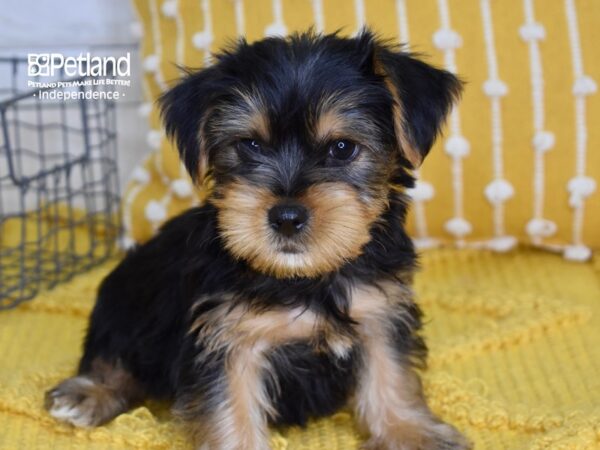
x: 288, y: 295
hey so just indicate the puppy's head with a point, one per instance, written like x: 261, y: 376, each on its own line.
x: 303, y: 137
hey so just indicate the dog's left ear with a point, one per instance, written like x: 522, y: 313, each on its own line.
x: 423, y: 95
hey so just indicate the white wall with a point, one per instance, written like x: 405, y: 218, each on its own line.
x: 73, y: 26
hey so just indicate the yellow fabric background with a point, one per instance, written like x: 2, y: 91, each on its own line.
x: 514, y: 360
x: 163, y: 35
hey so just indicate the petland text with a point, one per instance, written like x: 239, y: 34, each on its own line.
x: 48, y: 64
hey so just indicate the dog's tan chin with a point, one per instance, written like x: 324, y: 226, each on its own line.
x: 290, y: 249
x: 286, y: 264
x: 306, y: 263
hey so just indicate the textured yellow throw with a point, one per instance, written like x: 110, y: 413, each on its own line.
x: 515, y: 360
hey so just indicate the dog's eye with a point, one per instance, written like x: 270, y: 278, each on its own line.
x: 343, y: 150
x: 250, y: 144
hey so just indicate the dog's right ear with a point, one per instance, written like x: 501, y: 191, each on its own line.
x: 184, y: 110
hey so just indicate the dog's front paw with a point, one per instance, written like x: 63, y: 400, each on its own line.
x: 437, y: 436
x: 81, y: 402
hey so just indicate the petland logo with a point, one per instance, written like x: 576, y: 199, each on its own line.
x: 51, y: 64
x: 83, y: 77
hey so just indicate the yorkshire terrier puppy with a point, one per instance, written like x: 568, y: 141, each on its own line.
x: 288, y: 294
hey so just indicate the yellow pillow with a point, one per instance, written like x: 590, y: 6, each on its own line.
x: 520, y: 156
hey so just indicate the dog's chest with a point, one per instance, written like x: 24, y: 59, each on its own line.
x: 308, y: 362
x: 242, y: 327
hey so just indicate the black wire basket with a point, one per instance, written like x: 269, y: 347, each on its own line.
x: 58, y: 183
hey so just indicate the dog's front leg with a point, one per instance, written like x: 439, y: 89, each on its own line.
x: 389, y: 402
x: 228, y: 405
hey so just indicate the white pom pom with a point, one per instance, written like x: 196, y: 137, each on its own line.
x: 182, y: 188
x: 136, y: 29
x: 140, y: 175
x: 169, y: 8
x: 578, y: 253
x: 426, y: 242
x: 540, y: 228
x: 151, y: 63
x: 457, y: 146
x: 502, y: 243
x: 446, y: 39
x: 126, y: 243
x: 495, y: 88
x: 543, y: 141
x: 422, y: 191
x: 202, y: 40
x: 532, y: 32
x: 154, y: 138
x: 145, y: 109
x: 276, y: 29
x: 155, y: 212
x: 584, y: 85
x: 580, y: 187
x: 458, y: 227
x: 499, y: 191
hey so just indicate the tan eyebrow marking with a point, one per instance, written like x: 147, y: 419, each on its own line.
x: 248, y: 115
x: 337, y: 117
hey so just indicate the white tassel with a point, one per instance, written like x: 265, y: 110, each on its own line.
x: 541, y: 228
x: 579, y: 253
x: 140, y: 175
x: 425, y: 243
x: 126, y: 243
x: 151, y: 63
x: 458, y: 227
x: 447, y: 39
x: 169, y: 9
x: 155, y: 212
x: 580, y: 187
x: 584, y: 86
x: 457, y: 146
x: 502, y: 244
x: 532, y: 32
x: 498, y: 191
x: 495, y: 88
x: 276, y: 29
x: 182, y: 188
x: 422, y: 191
x: 543, y: 141
x: 202, y: 40
x: 154, y: 139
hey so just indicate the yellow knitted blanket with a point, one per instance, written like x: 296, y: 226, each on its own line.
x: 515, y: 360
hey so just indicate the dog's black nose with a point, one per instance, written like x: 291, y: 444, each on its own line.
x: 288, y: 219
